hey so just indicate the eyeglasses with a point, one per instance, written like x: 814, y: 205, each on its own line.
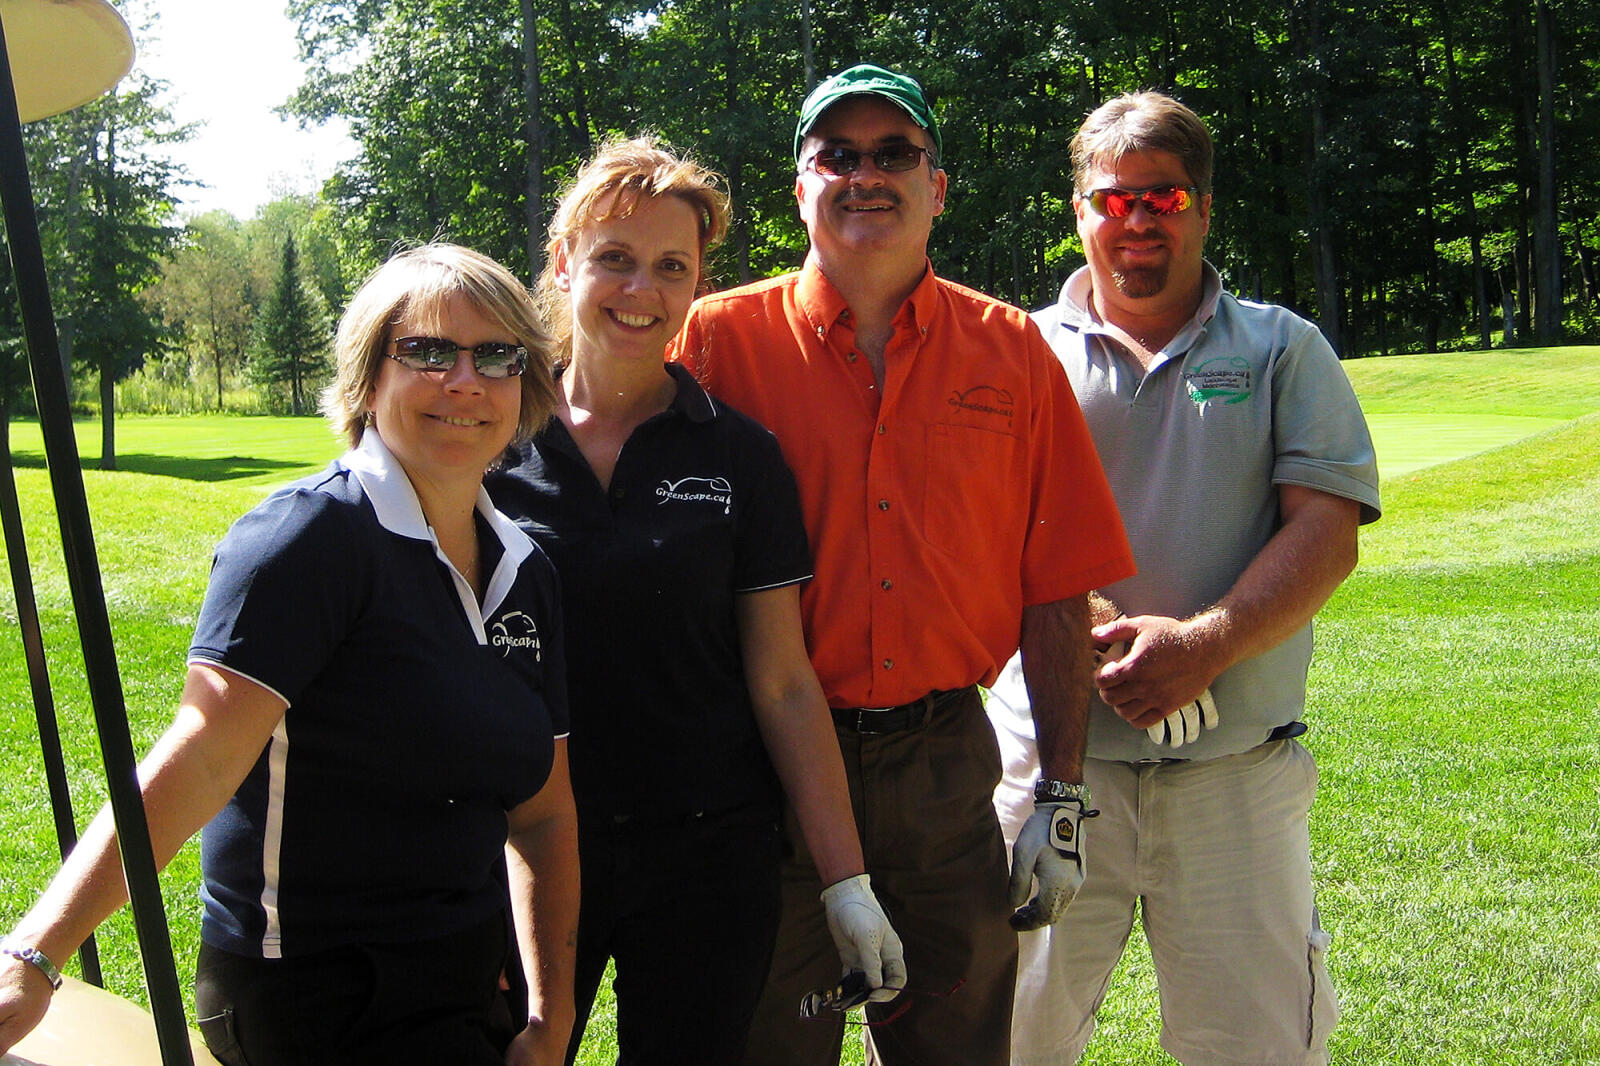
x: 891, y: 158
x: 435, y: 355
x: 852, y: 992
x: 1161, y: 200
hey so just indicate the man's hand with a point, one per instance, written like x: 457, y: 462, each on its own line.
x: 864, y: 937
x: 1049, y: 849
x: 1162, y: 666
x: 1182, y: 726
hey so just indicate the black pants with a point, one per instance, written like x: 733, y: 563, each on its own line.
x: 689, y: 912
x: 436, y: 1001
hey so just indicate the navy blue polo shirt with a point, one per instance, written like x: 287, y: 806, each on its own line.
x: 377, y: 812
x: 701, y: 508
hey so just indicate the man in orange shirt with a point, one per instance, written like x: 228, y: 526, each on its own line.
x: 955, y: 507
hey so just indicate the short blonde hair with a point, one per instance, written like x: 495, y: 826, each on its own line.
x: 611, y: 185
x: 416, y: 283
x: 1142, y: 122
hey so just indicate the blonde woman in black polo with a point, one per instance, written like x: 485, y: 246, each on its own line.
x: 675, y: 527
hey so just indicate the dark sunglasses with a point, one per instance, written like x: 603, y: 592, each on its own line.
x: 493, y: 359
x: 1161, y: 200
x: 891, y: 158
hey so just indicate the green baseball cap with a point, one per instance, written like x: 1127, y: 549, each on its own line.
x: 898, y: 89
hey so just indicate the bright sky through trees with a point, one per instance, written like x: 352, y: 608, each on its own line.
x: 229, y: 67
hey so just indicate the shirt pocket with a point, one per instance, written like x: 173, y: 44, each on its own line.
x: 975, y: 498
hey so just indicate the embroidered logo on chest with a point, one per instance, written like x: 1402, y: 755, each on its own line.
x: 515, y: 629
x: 713, y: 490
x: 1223, y: 380
x: 985, y: 400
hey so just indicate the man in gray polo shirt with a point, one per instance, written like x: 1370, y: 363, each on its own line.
x: 1242, y: 466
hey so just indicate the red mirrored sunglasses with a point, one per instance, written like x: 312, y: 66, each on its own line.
x: 1113, y: 202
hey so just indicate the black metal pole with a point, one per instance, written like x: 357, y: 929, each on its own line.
x: 44, y: 705
x: 83, y: 576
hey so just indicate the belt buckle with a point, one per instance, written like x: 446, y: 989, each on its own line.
x: 864, y: 715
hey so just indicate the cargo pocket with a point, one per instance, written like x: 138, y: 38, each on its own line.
x: 1324, y: 1007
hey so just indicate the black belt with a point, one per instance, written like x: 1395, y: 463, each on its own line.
x: 1287, y: 731
x: 894, y: 719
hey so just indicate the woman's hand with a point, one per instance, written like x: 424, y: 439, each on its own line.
x: 24, y: 997
x: 537, y: 1045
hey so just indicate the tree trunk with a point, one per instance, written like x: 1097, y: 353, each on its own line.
x: 1546, y: 235
x: 806, y: 51
x: 1522, y: 257
x: 1430, y: 263
x: 1525, y: 106
x: 739, y: 235
x: 580, y: 100
x: 1319, y: 220
x: 533, y: 134
x: 108, y: 418
x: 1508, y: 312
x: 1467, y: 177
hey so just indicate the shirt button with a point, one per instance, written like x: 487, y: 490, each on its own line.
x: 888, y: 664
x: 887, y: 584
x: 851, y: 357
x: 883, y: 505
x: 882, y: 429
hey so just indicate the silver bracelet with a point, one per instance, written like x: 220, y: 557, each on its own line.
x: 36, y: 958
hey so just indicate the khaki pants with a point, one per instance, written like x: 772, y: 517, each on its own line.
x: 1216, y: 854
x: 922, y: 801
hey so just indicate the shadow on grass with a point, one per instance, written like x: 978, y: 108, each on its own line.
x: 221, y: 468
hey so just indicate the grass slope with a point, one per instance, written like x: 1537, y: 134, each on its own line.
x: 1455, y: 705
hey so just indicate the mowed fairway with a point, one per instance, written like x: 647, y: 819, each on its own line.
x: 1455, y: 703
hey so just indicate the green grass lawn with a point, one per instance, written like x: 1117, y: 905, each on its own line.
x: 1455, y: 702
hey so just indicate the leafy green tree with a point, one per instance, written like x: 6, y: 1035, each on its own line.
x: 208, y: 295
x: 291, y: 337
x: 1390, y: 170
x: 105, y: 193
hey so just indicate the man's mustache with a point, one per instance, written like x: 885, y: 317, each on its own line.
x: 853, y: 193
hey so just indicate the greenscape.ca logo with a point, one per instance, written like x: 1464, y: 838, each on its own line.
x: 1224, y: 380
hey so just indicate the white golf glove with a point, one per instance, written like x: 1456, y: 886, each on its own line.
x: 1049, y: 849
x: 864, y: 937
x: 1184, y: 725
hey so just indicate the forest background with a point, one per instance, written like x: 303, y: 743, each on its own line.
x: 1414, y: 177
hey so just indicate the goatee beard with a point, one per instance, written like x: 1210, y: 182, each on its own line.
x: 1140, y: 281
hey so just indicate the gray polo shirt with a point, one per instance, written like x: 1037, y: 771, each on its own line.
x: 1245, y: 398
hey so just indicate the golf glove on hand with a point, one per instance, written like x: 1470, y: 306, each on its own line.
x: 1049, y: 849
x: 864, y: 937
x: 1184, y: 725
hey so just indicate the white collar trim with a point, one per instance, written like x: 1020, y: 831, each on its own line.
x: 399, y: 511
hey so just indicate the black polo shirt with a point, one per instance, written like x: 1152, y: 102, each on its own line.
x: 415, y: 720
x: 701, y: 508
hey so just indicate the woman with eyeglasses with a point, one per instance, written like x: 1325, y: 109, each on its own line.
x: 374, y: 714
x: 675, y: 526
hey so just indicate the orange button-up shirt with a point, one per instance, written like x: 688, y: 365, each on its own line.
x: 938, y: 506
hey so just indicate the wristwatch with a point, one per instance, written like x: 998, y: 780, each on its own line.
x: 35, y: 958
x: 1048, y: 791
